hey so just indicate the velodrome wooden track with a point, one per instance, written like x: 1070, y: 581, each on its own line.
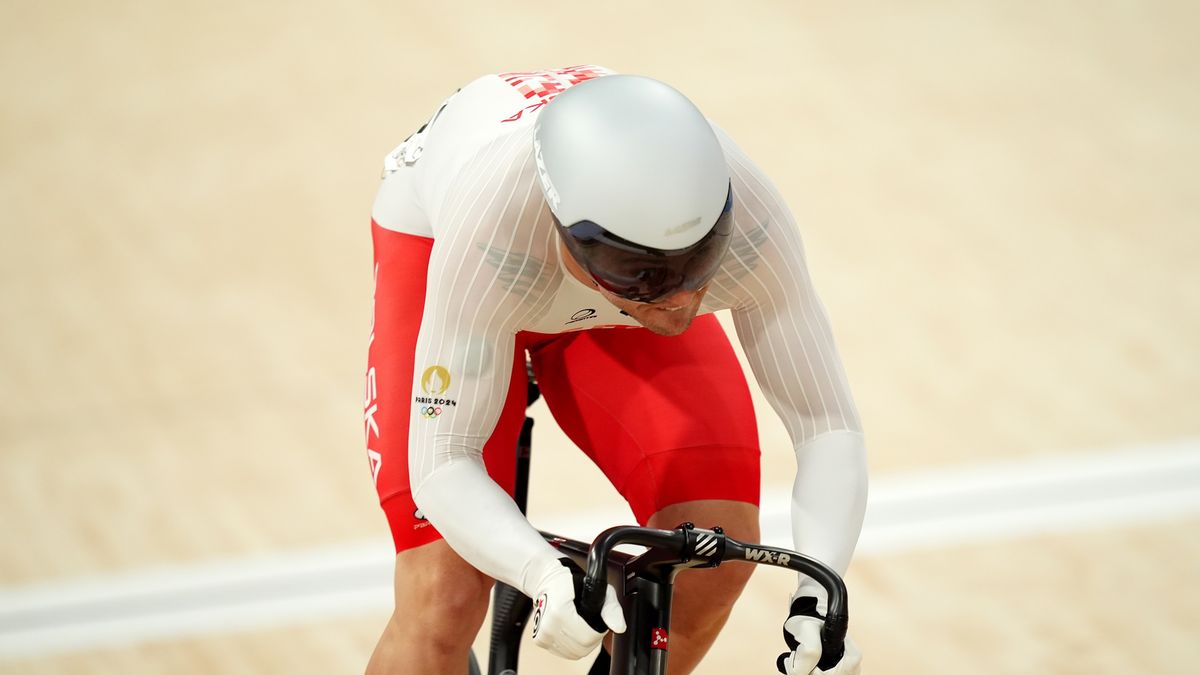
x: 999, y: 201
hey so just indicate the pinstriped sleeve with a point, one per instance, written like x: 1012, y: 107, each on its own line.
x: 488, y: 275
x: 785, y: 333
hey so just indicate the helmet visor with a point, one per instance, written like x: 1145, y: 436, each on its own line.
x: 644, y: 274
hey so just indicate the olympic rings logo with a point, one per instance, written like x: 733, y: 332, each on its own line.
x: 429, y: 412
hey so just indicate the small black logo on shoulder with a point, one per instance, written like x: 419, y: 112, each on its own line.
x: 582, y: 315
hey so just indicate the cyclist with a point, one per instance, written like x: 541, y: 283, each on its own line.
x: 595, y: 221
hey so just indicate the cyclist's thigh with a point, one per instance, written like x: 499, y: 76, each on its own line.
x: 401, y: 262
x: 668, y: 419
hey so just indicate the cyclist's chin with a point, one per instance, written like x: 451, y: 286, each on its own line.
x: 663, y: 322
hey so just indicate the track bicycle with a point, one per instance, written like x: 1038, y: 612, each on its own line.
x: 643, y: 584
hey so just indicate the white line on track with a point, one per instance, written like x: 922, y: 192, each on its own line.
x: 927, y: 509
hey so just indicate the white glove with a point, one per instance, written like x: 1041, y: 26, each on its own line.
x: 802, y: 632
x: 557, y: 625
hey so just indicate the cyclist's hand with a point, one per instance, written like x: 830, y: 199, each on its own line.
x: 802, y: 632
x: 557, y: 625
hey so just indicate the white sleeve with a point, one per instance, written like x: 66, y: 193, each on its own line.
x: 488, y: 274
x: 785, y: 333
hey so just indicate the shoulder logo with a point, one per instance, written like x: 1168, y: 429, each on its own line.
x: 582, y: 315
x: 435, y: 380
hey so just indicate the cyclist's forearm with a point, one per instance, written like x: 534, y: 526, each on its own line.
x: 829, y: 497
x: 483, y: 525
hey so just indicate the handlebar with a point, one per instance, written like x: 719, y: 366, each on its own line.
x: 714, y: 547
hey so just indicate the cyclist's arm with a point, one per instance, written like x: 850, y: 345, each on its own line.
x: 786, y: 335
x: 483, y: 283
x: 793, y: 359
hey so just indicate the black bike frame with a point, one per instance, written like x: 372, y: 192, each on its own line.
x: 644, y: 584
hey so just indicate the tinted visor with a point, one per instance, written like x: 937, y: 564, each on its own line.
x: 643, y: 274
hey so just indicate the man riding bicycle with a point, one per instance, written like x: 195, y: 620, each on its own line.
x: 595, y: 221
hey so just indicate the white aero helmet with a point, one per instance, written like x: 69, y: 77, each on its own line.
x: 637, y: 183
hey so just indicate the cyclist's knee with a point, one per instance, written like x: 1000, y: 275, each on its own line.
x: 719, y: 588
x: 710, y: 594
x: 440, y: 592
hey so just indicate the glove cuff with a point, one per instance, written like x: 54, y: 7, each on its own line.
x: 811, y: 589
x: 805, y: 606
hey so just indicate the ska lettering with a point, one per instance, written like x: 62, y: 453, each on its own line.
x: 371, y: 402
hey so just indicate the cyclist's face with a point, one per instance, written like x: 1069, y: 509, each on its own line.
x: 669, y: 316
x: 666, y: 316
